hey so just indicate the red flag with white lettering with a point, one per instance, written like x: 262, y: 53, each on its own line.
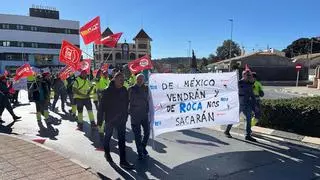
x: 91, y: 31
x: 66, y: 72
x: 140, y: 64
x: 85, y: 65
x: 70, y: 54
x: 110, y: 41
x: 23, y: 71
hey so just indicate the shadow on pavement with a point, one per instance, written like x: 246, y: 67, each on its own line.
x: 202, y: 136
x: 103, y: 177
x: 48, y: 132
x: 7, y: 129
x: 18, y: 105
x: 66, y: 116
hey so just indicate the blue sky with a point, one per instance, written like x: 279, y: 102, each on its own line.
x: 172, y: 23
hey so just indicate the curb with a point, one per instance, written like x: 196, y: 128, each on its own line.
x: 75, y: 161
x: 276, y: 134
x: 300, y: 93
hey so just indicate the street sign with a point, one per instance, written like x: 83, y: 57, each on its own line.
x: 298, y: 67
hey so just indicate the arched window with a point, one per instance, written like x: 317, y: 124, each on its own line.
x: 118, y: 56
x: 132, y: 56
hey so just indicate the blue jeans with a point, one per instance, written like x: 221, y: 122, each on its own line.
x: 247, y: 112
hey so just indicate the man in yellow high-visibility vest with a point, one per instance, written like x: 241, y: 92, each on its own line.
x: 102, y: 84
x: 82, y: 88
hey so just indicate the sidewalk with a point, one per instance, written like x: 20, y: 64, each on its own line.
x: 20, y: 159
x: 302, y: 90
x: 273, y: 133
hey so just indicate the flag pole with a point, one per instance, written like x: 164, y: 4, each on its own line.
x: 87, y: 54
x: 107, y: 58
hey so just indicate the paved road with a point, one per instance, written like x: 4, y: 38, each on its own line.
x: 274, y: 92
x: 190, y: 154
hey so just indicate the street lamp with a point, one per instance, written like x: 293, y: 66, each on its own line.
x: 231, y: 20
x: 230, y: 49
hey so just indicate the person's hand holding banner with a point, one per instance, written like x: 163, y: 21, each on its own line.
x: 91, y: 31
x: 23, y: 71
x: 140, y: 64
x: 70, y: 54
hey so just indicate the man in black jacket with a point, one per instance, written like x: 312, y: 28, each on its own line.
x: 138, y: 109
x: 4, y: 99
x: 114, y: 110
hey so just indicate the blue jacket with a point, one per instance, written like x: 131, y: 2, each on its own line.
x: 246, y: 95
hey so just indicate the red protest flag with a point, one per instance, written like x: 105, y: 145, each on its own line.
x: 105, y: 67
x: 85, y: 65
x: 110, y: 41
x: 140, y: 64
x: 91, y: 31
x: 69, y: 54
x: 23, y: 71
x: 66, y: 72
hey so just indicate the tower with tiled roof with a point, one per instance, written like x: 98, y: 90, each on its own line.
x: 143, y: 43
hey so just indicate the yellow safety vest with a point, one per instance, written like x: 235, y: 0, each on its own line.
x: 94, y: 94
x: 83, y: 86
x: 103, y: 83
x: 257, y: 88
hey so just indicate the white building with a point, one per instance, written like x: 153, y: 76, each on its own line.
x: 123, y: 52
x: 35, y: 39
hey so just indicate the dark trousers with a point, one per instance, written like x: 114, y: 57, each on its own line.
x: 136, y: 128
x: 42, y: 106
x: 247, y: 112
x: 121, y: 129
x: 70, y: 95
x: 83, y: 103
x: 5, y: 104
x: 55, y: 99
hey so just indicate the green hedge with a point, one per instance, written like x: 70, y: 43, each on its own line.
x: 298, y: 115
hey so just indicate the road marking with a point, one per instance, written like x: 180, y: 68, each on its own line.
x: 311, y: 155
x: 312, y: 140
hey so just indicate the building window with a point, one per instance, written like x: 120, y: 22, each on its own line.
x: 34, y: 45
x: 141, y: 55
x: 132, y: 56
x: 20, y: 44
x: 105, y: 56
x: 6, y: 43
x: 142, y: 46
x: 5, y: 26
x: 118, y: 55
x: 34, y: 28
x: 133, y: 46
x: 19, y: 27
x: 67, y: 31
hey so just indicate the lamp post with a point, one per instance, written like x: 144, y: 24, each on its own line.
x: 230, y: 48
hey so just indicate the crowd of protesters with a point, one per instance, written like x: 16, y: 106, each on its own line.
x: 115, y: 99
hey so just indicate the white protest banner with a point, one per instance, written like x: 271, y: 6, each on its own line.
x: 21, y: 84
x: 185, y: 101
